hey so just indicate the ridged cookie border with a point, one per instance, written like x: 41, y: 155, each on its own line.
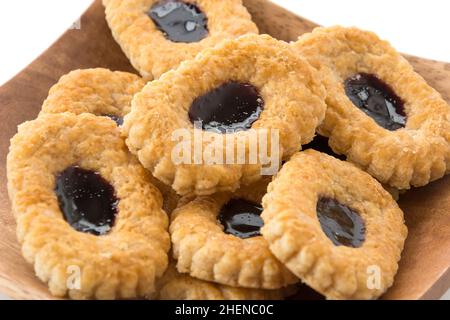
x: 204, y: 251
x: 149, y: 50
x: 98, y: 91
x: 176, y: 286
x: 122, y: 264
x: 294, y: 107
x: 295, y: 235
x: 413, y: 156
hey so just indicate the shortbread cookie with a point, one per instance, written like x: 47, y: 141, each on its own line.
x: 269, y: 93
x: 334, y: 226
x: 88, y: 218
x: 104, y: 93
x: 176, y: 286
x: 381, y: 114
x: 217, y: 238
x: 157, y: 35
x: 98, y: 91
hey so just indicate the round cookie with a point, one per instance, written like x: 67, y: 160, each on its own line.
x: 334, y: 226
x: 157, y: 35
x: 104, y: 93
x: 88, y: 218
x: 269, y: 93
x: 98, y: 91
x: 381, y: 114
x: 176, y: 286
x: 217, y: 238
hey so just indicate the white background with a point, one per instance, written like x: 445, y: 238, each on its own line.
x: 419, y: 27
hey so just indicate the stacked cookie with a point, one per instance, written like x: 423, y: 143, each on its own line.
x: 190, y: 182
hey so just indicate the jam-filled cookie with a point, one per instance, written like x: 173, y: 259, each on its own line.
x: 157, y: 35
x: 217, y: 238
x: 98, y: 91
x: 381, y: 114
x: 334, y: 226
x: 176, y: 286
x: 106, y: 94
x: 88, y: 218
x: 253, y: 86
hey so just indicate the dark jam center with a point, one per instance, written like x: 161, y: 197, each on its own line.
x: 179, y: 21
x: 342, y: 225
x: 232, y: 107
x: 88, y: 201
x: 320, y: 143
x: 377, y: 100
x: 116, y: 119
x: 241, y: 218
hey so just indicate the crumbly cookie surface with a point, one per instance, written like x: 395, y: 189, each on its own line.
x: 411, y: 156
x: 122, y: 264
x: 104, y: 93
x: 97, y: 91
x: 296, y: 238
x: 176, y: 286
x: 294, y: 107
x: 204, y: 251
x: 151, y: 52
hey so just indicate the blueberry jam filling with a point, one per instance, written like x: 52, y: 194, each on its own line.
x: 87, y: 200
x: 118, y: 120
x: 241, y: 218
x: 179, y: 21
x: 342, y: 225
x: 231, y: 107
x: 377, y: 100
x: 320, y: 143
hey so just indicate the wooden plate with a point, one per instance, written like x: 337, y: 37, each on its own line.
x: 425, y: 267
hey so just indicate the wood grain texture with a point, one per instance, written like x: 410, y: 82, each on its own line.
x: 424, y: 270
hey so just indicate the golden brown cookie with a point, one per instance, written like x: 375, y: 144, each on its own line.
x: 334, y: 226
x: 98, y: 91
x: 268, y: 92
x: 176, y: 286
x: 158, y: 35
x: 381, y: 114
x: 88, y: 218
x: 104, y: 93
x: 217, y: 238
